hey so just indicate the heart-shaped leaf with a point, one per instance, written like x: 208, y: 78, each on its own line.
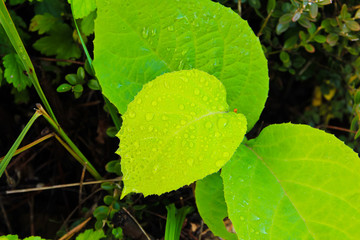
x: 176, y: 131
x: 294, y: 182
x: 137, y: 40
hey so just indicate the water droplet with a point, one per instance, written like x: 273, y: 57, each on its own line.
x: 153, y: 32
x: 183, y: 143
x: 205, y: 98
x: 190, y: 161
x: 217, y: 134
x: 164, y: 118
x: 219, y: 163
x: 170, y: 28
x: 226, y: 154
x: 242, y: 218
x: 192, y: 113
x: 184, y: 52
x: 11, y: 76
x: 156, y: 168
x: 181, y: 107
x: 154, y: 103
x: 196, y: 91
x: 186, y: 135
x: 192, y: 127
x: 154, y: 149
x: 138, y: 101
x: 132, y: 114
x: 151, y: 128
x: 185, y: 79
x: 149, y: 116
x: 222, y: 122
x: 145, y: 33
x: 252, y: 230
x: 183, y: 122
x: 208, y: 125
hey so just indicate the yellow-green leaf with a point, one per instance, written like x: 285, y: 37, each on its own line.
x: 137, y: 40
x: 177, y: 130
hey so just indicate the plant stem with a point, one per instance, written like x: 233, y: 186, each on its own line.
x: 70, y: 146
x: 10, y: 154
x: 112, y: 110
x: 265, y: 23
x: 18, y: 45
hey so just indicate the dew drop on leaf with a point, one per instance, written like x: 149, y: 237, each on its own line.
x: 196, y: 91
x: 190, y: 161
x: 208, y: 125
x: 219, y: 163
x: 132, y: 115
x: 149, y: 116
x: 222, y: 122
x: 181, y: 107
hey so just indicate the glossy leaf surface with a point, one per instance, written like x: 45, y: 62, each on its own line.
x: 211, y: 205
x: 294, y: 182
x: 136, y: 41
x: 176, y: 131
x: 82, y: 8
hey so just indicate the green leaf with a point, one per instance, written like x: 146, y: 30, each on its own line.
x: 94, y: 84
x: 72, y: 78
x: 82, y: 8
x: 357, y: 14
x: 176, y: 131
x: 309, y: 48
x: 87, y: 24
x: 211, y: 205
x: 286, y: 18
x: 42, y: 23
x: 313, y: 10
x: 64, y: 87
x: 59, y: 43
x: 14, y: 72
x: 320, y: 38
x: 136, y: 41
x: 294, y: 182
x: 353, y: 25
x: 270, y: 6
x: 90, y: 234
x: 280, y: 28
x: 9, y: 237
x: 332, y: 39
x: 101, y: 212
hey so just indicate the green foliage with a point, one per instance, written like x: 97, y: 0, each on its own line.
x: 14, y: 72
x: 132, y: 47
x: 295, y: 182
x: 82, y: 8
x: 59, y: 43
x: 90, y: 234
x: 15, y: 237
x: 211, y: 205
x: 176, y: 131
x: 175, y: 219
x: 76, y: 82
x: 42, y: 23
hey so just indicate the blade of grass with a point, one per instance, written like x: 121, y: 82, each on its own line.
x: 174, y: 221
x: 18, y: 45
x: 112, y: 110
x: 4, y: 163
x: 70, y: 146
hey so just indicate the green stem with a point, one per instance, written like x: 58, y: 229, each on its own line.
x: 5, y: 162
x: 74, y: 149
x: 112, y: 110
x: 265, y: 23
x: 18, y: 45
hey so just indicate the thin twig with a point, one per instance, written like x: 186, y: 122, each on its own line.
x: 59, y: 60
x: 75, y: 230
x: 77, y: 207
x: 61, y: 186
x: 81, y: 184
x: 26, y: 147
x: 5, y: 216
x: 137, y: 223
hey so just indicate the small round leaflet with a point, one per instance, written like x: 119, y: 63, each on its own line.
x: 178, y: 129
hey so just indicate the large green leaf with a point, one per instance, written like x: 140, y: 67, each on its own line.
x: 211, y: 205
x: 294, y: 182
x: 136, y: 41
x: 176, y: 131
